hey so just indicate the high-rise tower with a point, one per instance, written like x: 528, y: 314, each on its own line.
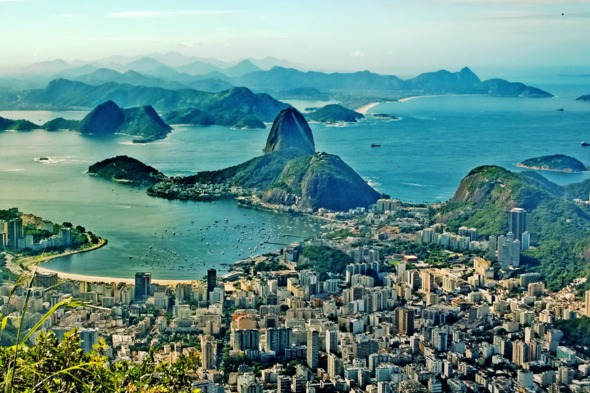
x: 143, y: 280
x: 517, y: 221
x: 211, y: 281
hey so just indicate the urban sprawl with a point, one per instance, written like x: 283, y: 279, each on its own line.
x: 390, y: 323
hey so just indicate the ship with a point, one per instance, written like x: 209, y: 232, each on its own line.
x: 584, y: 143
x: 375, y: 145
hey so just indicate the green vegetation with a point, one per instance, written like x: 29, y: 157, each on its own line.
x: 126, y: 169
x: 334, y: 113
x: 556, y: 162
x: 324, y: 260
x: 17, y: 125
x: 576, y: 331
x: 62, y: 366
x: 560, y: 229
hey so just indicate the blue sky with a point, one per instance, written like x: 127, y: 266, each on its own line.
x: 396, y: 36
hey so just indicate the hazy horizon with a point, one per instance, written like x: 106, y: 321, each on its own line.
x: 388, y: 37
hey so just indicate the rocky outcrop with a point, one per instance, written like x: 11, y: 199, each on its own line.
x: 290, y: 131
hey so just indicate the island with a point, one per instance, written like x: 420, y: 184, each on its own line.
x: 585, y: 97
x: 126, y: 169
x: 554, y: 163
x: 384, y: 116
x: 290, y: 176
x: 142, y: 123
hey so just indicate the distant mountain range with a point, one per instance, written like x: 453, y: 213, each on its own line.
x: 33, y: 85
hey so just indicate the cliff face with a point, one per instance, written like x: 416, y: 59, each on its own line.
x: 290, y: 131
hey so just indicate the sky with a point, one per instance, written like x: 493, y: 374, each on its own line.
x: 394, y: 37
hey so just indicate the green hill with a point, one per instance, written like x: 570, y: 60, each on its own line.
x: 334, y: 113
x: 559, y: 228
x: 108, y: 118
x: 126, y: 169
x: 556, y: 163
x: 17, y: 125
x: 291, y: 174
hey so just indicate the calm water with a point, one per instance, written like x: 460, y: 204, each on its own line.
x: 422, y: 158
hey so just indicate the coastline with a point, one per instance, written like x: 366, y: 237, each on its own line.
x: 437, y: 95
x: 101, y: 279
x: 365, y: 108
x: 546, y: 169
x: 13, y: 264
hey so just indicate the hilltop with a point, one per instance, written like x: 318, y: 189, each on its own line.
x: 237, y: 107
x: 17, y: 125
x: 108, y: 118
x: 291, y: 174
x: 557, y: 225
x: 126, y: 169
x: 334, y: 113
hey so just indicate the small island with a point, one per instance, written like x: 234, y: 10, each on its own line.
x: 334, y: 113
x: 584, y: 98
x: 126, y: 169
x: 384, y: 116
x: 554, y: 163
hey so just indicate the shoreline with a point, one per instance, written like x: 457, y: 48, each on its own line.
x: 437, y: 95
x: 546, y: 169
x: 365, y: 108
x: 105, y: 279
x: 13, y: 263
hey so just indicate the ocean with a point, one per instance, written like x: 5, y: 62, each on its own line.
x: 422, y: 158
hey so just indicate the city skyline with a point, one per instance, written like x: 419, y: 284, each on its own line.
x: 394, y: 37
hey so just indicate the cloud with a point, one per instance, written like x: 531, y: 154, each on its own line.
x: 164, y: 14
x: 357, y: 54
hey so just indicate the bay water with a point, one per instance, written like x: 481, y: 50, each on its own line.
x: 421, y: 158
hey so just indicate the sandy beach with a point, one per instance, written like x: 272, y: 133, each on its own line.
x: 29, y: 262
x: 114, y: 280
x: 365, y: 108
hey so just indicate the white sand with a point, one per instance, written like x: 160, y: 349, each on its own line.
x: 365, y: 108
x: 83, y: 277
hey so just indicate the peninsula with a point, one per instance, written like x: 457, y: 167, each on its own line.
x: 31, y: 239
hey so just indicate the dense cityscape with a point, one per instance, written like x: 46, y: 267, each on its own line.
x: 389, y: 322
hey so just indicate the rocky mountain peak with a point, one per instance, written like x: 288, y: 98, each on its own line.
x: 290, y: 131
